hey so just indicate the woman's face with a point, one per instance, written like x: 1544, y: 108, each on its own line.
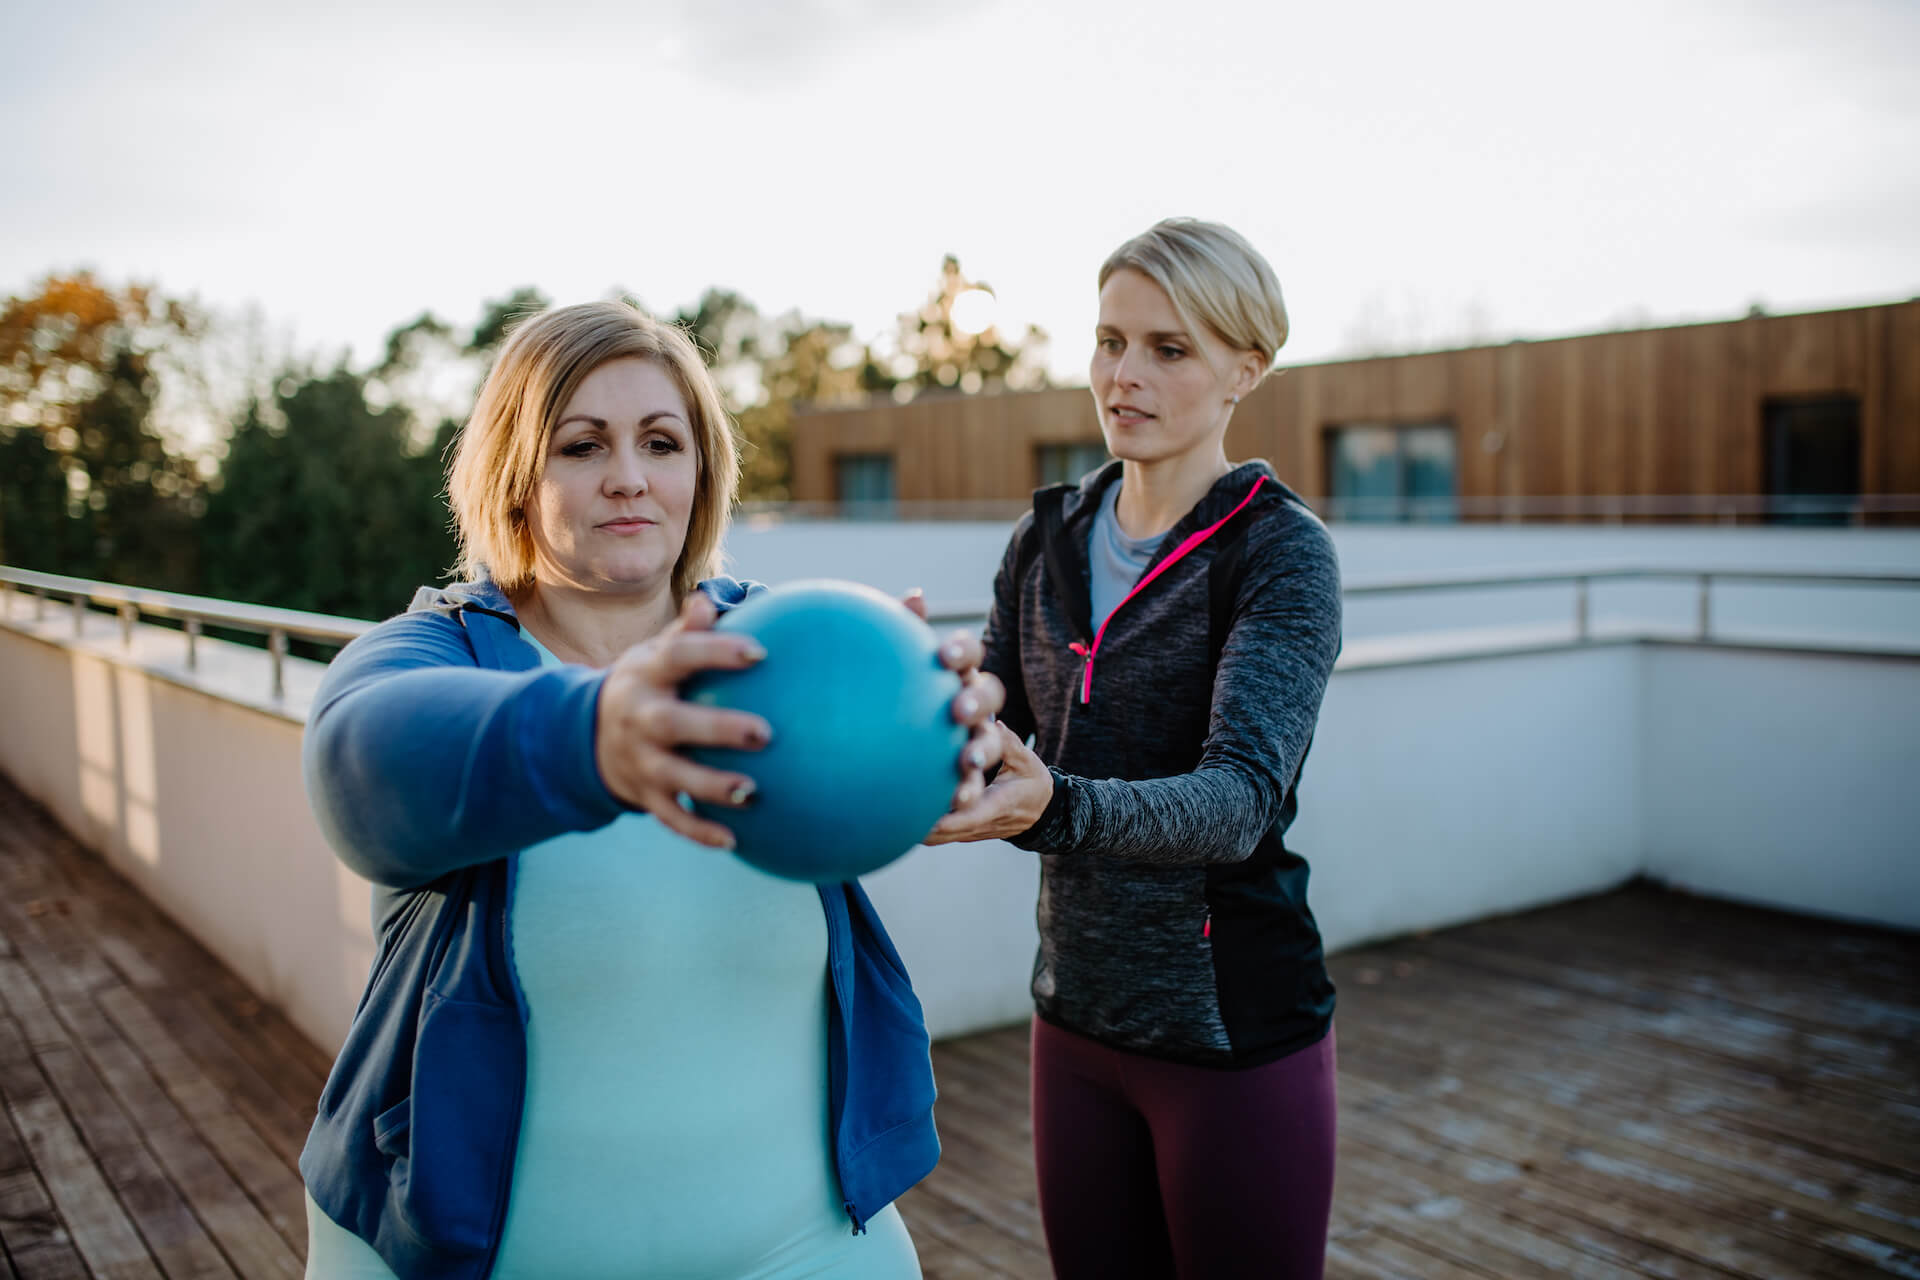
x: 616, y: 488
x: 1162, y: 392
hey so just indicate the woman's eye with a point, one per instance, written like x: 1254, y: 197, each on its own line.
x: 1171, y: 353
x: 579, y: 448
x: 1110, y: 345
x: 660, y: 446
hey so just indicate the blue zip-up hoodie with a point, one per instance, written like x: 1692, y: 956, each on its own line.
x: 438, y: 748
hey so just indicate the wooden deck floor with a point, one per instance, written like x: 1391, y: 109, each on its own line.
x: 1637, y: 1084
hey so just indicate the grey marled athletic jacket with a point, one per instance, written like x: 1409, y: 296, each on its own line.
x: 1173, y: 921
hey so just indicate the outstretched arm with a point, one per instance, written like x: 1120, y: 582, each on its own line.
x: 418, y: 762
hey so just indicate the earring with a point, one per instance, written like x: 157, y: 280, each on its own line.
x: 1233, y: 399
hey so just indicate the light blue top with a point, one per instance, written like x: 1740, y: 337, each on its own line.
x: 676, y: 1117
x: 1114, y: 561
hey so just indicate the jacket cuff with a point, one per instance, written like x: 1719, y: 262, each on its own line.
x: 1054, y: 831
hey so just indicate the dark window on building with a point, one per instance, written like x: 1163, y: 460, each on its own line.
x: 1066, y: 463
x: 863, y: 484
x: 1379, y: 471
x: 1813, y: 458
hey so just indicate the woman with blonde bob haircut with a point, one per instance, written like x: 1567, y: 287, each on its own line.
x: 1164, y: 630
x: 591, y: 1045
x: 541, y: 366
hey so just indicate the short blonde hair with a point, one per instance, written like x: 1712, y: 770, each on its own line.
x: 502, y: 448
x: 1212, y: 275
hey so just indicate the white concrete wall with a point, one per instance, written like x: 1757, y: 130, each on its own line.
x: 1444, y: 792
x: 1789, y: 780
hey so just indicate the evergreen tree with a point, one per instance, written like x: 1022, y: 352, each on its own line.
x: 322, y: 506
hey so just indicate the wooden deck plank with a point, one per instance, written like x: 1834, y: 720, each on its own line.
x: 32, y: 1237
x: 192, y: 1215
x: 1638, y: 1123
x: 1637, y: 1084
x: 243, y: 1235
x: 90, y: 1212
x: 258, y: 1220
x: 271, y: 1181
x: 277, y: 1071
x: 1554, y: 1026
x: 1788, y: 984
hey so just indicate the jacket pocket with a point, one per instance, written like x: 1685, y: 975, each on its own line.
x: 393, y: 1128
x: 452, y: 1142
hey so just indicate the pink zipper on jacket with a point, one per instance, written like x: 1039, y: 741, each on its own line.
x: 1192, y: 540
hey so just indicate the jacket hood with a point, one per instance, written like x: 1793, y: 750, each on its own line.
x: 479, y: 594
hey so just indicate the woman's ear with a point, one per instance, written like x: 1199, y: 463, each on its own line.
x: 1247, y: 371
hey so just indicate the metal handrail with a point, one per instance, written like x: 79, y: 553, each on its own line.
x: 1582, y: 580
x: 283, y: 625
x: 279, y: 626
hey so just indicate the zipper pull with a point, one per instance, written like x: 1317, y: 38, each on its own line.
x: 1086, y: 671
x: 1206, y: 929
x: 853, y: 1216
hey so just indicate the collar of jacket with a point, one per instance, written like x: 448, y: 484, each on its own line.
x: 1221, y: 497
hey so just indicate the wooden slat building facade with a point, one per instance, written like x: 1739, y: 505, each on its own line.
x: 1652, y: 413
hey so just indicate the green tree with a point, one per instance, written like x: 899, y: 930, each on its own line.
x: 931, y: 352
x: 325, y: 504
x: 77, y: 390
x: 35, y: 530
x: 500, y: 315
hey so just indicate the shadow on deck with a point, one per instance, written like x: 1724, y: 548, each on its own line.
x: 1640, y: 1083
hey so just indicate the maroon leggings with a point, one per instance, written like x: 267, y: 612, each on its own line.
x: 1153, y: 1169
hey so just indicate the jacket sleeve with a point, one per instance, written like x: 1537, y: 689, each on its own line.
x: 1267, y: 691
x: 1002, y: 636
x: 418, y: 762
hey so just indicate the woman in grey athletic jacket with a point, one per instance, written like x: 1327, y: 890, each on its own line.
x: 1165, y: 630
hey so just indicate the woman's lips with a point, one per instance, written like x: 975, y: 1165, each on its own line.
x: 631, y: 525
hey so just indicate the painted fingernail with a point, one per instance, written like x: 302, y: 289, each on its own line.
x: 752, y: 651
x: 967, y: 705
x: 976, y: 757
x: 953, y: 651
x: 760, y: 735
x: 741, y: 795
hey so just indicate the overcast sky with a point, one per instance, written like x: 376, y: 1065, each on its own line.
x: 1413, y: 170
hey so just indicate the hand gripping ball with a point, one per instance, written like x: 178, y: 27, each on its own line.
x: 865, y: 752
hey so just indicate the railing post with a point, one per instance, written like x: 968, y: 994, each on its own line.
x: 128, y: 616
x: 277, y: 646
x: 193, y: 646
x: 6, y: 592
x: 79, y: 616
x: 1706, y: 607
x: 1580, y: 609
x: 39, y: 604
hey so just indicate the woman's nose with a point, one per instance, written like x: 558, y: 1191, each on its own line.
x: 626, y: 474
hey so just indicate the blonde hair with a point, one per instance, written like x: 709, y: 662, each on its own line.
x: 1211, y: 274
x: 502, y: 448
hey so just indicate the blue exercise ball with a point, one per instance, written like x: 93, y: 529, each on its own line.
x: 865, y: 752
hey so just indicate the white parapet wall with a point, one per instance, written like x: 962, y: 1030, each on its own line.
x: 1786, y: 779
x: 1451, y: 778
